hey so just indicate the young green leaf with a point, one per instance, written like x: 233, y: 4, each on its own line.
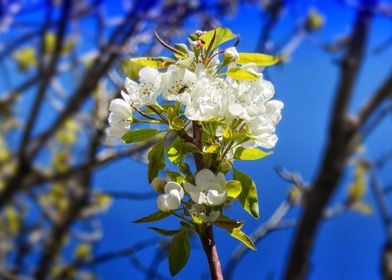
x: 213, y: 149
x: 154, y: 62
x: 179, y: 252
x: 139, y: 135
x: 241, y: 236
x: 233, y: 227
x: 248, y: 196
x: 174, y: 153
x: 250, y: 154
x: 156, y: 161
x: 228, y: 224
x: 233, y: 188
x: 165, y: 232
x: 258, y: 58
x: 241, y: 74
x: 153, y: 217
x: 217, y: 37
x: 175, y: 177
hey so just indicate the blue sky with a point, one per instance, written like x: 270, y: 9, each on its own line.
x: 348, y: 246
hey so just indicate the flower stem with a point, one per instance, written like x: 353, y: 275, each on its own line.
x: 208, y: 241
x: 197, y: 134
x: 206, y: 231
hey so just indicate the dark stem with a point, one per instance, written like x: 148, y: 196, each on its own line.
x: 336, y: 154
x: 208, y: 241
x: 206, y: 232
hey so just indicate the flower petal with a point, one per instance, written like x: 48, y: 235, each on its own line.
x: 215, y: 198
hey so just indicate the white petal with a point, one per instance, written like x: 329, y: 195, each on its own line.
x: 148, y: 74
x: 189, y: 187
x: 173, y: 201
x: 174, y: 186
x: 120, y: 107
x: 162, y: 203
x: 199, y: 197
x: 204, y: 176
x: 214, y: 198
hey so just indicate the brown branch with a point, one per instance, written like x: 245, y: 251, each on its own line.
x: 206, y: 233
x: 208, y: 241
x: 374, y: 102
x: 335, y: 156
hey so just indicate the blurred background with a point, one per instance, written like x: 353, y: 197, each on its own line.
x: 67, y: 200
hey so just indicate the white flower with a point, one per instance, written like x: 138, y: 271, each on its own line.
x: 177, y: 83
x: 201, y: 214
x: 147, y: 90
x: 209, y: 189
x: 171, y: 199
x: 119, y: 119
x: 247, y: 98
x: 208, y: 99
x: 263, y: 127
x: 231, y: 54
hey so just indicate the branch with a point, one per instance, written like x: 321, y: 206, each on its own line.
x: 335, y: 156
x: 375, y: 101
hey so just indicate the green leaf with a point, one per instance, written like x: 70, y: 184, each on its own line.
x: 250, y: 154
x: 241, y: 74
x: 228, y: 224
x: 153, y: 217
x: 174, y: 153
x: 154, y: 62
x: 179, y: 252
x: 258, y: 58
x: 233, y: 188
x: 248, y: 196
x: 175, y: 177
x: 131, y: 67
x: 217, y: 37
x: 233, y: 227
x: 213, y: 149
x: 177, y: 123
x: 241, y: 236
x: 165, y: 232
x: 139, y: 135
x: 156, y: 161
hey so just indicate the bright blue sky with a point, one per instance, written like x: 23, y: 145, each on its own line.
x: 348, y: 246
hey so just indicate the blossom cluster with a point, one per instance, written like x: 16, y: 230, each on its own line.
x: 209, y: 104
x: 205, y: 96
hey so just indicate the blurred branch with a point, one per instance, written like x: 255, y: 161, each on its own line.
x: 338, y: 149
x: 385, y: 91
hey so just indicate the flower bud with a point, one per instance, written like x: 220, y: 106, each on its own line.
x: 231, y: 54
x: 225, y: 167
x: 158, y: 183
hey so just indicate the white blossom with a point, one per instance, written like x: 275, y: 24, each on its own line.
x: 263, y: 127
x: 201, y: 213
x: 208, y: 99
x: 171, y: 199
x: 119, y: 119
x: 147, y: 90
x: 247, y: 98
x: 209, y: 189
x: 177, y: 83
